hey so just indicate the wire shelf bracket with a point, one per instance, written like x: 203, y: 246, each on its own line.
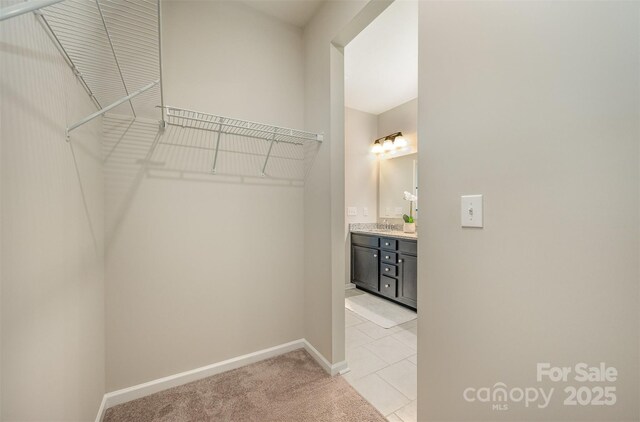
x: 266, y: 160
x: 215, y: 157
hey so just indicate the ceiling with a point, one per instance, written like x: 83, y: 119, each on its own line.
x: 381, y: 63
x: 294, y: 12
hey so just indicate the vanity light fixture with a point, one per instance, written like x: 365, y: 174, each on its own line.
x: 400, y: 142
x: 389, y: 143
x: 377, y: 147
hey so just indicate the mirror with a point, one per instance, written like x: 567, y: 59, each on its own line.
x: 397, y: 175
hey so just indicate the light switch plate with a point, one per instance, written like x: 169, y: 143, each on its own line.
x: 352, y: 211
x: 471, y: 210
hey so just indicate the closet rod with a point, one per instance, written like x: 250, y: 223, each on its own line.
x: 25, y: 7
x: 109, y: 107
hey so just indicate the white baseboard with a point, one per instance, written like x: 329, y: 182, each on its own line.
x: 141, y: 390
x: 331, y: 369
x: 102, y: 409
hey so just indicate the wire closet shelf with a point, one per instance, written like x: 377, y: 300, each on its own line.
x: 112, y: 46
x: 221, y: 125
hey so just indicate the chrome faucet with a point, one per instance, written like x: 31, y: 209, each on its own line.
x: 385, y: 224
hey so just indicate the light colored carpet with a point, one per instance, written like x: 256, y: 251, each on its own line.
x: 289, y: 387
x: 379, y: 311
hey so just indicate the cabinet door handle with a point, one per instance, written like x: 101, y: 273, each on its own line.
x: 387, y: 285
x: 375, y: 256
x: 386, y: 257
x: 399, y: 261
x: 386, y: 244
x: 386, y: 269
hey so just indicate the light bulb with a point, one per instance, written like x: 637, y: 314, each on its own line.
x: 388, y: 145
x: 400, y: 142
x: 377, y: 148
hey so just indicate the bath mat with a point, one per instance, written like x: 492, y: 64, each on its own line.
x: 379, y: 311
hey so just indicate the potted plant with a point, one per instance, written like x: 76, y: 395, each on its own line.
x: 409, y: 222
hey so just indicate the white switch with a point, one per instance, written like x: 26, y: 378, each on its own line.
x: 365, y: 211
x: 352, y: 211
x: 471, y: 210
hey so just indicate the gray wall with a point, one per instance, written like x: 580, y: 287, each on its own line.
x: 203, y: 268
x: 403, y: 118
x: 324, y: 236
x: 536, y: 106
x: 333, y: 26
x: 53, y: 362
x: 361, y: 166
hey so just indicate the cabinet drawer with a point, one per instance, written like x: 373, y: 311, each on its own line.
x: 408, y: 246
x: 389, y: 270
x: 386, y: 243
x: 388, y: 257
x: 389, y: 286
x: 364, y: 240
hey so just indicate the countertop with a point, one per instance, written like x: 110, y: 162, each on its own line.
x: 389, y: 233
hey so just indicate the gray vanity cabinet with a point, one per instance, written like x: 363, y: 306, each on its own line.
x: 385, y: 266
x: 364, y: 268
x: 408, y: 275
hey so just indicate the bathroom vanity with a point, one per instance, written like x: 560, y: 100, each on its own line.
x: 386, y: 264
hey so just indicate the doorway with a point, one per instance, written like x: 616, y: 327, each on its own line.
x: 380, y: 192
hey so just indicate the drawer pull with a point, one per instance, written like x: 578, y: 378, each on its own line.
x: 375, y: 256
x: 387, y: 285
x: 386, y: 243
x: 386, y: 269
x: 399, y: 261
x: 386, y: 257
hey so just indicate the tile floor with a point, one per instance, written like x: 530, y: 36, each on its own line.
x: 383, y: 364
